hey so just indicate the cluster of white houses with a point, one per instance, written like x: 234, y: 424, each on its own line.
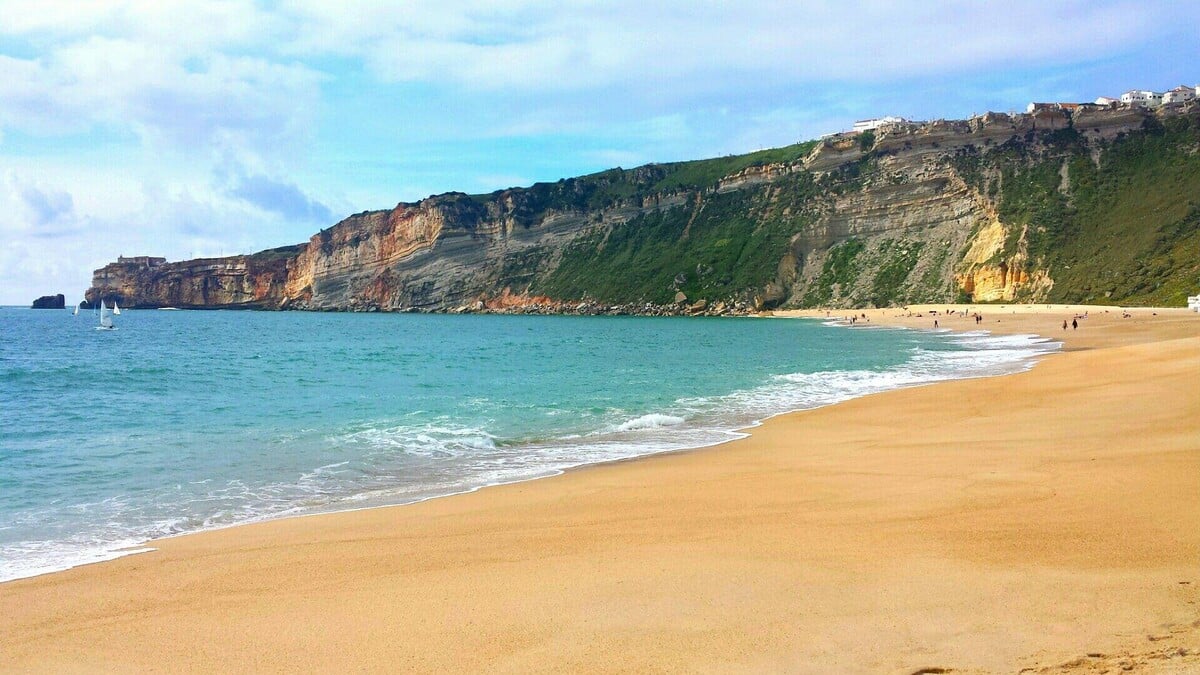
x: 1149, y: 99
x: 1136, y: 97
x: 1141, y: 98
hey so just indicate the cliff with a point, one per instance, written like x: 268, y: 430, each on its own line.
x: 1098, y: 205
x: 239, y: 282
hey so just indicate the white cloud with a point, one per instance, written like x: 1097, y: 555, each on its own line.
x: 213, y: 100
x: 272, y: 195
x: 173, y: 25
x: 538, y: 46
x: 34, y: 209
x: 181, y: 75
x: 46, y: 207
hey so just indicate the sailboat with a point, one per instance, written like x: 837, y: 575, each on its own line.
x: 116, y: 310
x: 76, y: 312
x: 106, y: 322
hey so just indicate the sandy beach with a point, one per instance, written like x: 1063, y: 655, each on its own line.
x: 1046, y: 521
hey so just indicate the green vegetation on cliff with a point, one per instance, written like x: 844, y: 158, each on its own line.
x: 283, y: 253
x: 715, y: 246
x: 706, y: 173
x: 1135, y: 230
x: 898, y: 262
x: 1112, y: 222
x: 841, y: 268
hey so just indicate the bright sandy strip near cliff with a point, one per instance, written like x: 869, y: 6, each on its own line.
x: 1046, y: 520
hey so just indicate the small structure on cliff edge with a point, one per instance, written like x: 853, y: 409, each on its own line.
x: 50, y: 302
x: 877, y: 123
x: 143, y: 260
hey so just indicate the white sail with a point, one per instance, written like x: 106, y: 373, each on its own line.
x: 106, y: 322
x: 76, y: 312
x: 116, y: 310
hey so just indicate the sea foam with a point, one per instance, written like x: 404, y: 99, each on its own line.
x: 650, y: 421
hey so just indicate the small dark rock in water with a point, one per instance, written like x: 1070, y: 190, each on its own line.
x: 50, y: 302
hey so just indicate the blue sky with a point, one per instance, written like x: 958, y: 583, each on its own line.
x: 214, y: 127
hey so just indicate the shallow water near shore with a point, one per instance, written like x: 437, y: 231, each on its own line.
x: 183, y: 421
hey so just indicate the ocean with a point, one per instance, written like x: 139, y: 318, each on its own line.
x: 180, y: 421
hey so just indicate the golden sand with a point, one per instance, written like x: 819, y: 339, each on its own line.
x: 1047, y: 520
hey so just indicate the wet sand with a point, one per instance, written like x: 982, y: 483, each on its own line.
x: 1047, y: 520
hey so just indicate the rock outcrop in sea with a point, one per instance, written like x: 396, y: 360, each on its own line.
x: 50, y: 302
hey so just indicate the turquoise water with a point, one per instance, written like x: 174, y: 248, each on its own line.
x: 181, y: 421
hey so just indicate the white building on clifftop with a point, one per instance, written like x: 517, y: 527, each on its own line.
x: 1179, y: 95
x: 872, y: 124
x: 1143, y: 98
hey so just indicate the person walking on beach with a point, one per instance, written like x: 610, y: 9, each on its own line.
x: 1074, y: 324
x: 1064, y: 324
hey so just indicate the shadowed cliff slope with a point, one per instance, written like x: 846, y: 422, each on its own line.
x: 1090, y: 206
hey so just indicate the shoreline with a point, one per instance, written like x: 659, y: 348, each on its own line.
x: 732, y: 434
x: 531, y: 558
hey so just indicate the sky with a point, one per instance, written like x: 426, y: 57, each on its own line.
x: 214, y: 127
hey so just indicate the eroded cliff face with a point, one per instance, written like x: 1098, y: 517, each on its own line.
x: 913, y: 215
x: 910, y: 220
x: 443, y: 253
x: 248, y: 282
x: 919, y: 231
x: 988, y: 276
x: 349, y: 265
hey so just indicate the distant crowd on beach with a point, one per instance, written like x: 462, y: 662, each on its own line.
x: 962, y: 313
x: 853, y: 319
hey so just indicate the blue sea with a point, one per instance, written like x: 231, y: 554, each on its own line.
x: 180, y: 421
